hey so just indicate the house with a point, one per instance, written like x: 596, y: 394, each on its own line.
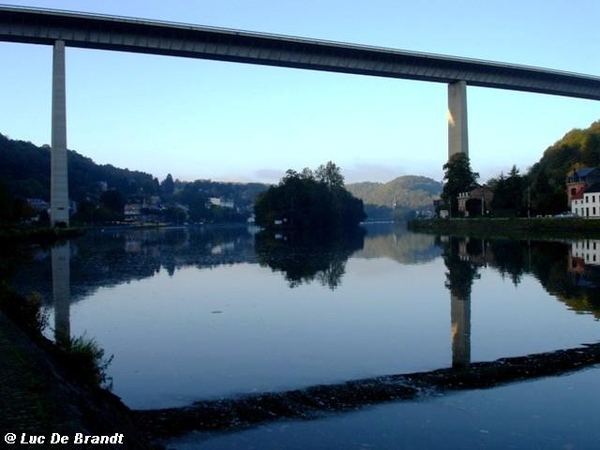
x: 579, y: 181
x: 38, y: 205
x: 587, y: 203
x: 222, y: 202
x: 476, y: 201
x: 132, y: 212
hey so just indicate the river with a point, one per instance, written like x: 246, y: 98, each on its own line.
x: 211, y: 313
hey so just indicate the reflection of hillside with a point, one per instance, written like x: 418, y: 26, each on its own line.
x: 116, y: 257
x: 394, y: 242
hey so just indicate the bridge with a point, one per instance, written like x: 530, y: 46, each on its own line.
x: 62, y: 29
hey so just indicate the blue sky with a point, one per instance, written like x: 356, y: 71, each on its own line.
x: 225, y: 121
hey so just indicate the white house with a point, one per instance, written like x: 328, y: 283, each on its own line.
x: 589, y: 204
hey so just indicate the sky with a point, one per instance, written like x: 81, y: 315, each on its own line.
x: 200, y: 119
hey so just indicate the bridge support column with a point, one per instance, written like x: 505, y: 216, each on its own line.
x: 458, y: 135
x: 59, y: 182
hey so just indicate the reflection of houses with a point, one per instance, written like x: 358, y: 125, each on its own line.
x: 476, y: 201
x: 475, y: 251
x: 584, y: 253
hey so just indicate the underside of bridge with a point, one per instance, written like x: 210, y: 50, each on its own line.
x: 74, y: 29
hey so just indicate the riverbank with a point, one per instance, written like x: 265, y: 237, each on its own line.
x: 39, y: 397
x: 38, y: 234
x: 547, y: 227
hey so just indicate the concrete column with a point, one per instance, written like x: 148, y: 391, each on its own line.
x: 460, y: 314
x: 59, y: 181
x: 61, y: 290
x: 458, y: 135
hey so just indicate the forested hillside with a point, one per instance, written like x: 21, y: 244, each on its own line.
x: 398, y: 197
x: 100, y: 191
x: 25, y: 172
x: 547, y: 178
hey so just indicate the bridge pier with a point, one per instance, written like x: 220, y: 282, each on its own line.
x: 59, y: 182
x: 458, y: 133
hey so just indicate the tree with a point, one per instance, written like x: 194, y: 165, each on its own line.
x: 509, y: 192
x: 168, y: 185
x: 459, y: 178
x: 303, y: 202
x: 112, y: 203
x: 330, y: 175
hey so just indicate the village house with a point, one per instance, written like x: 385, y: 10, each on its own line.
x: 475, y: 202
x: 579, y: 181
x: 588, y: 203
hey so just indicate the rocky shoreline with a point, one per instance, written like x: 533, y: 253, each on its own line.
x: 40, y: 400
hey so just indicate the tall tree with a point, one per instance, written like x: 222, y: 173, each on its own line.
x: 330, y: 175
x: 509, y: 192
x: 458, y: 178
x: 168, y: 185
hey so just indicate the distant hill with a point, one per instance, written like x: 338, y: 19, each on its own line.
x: 402, y: 194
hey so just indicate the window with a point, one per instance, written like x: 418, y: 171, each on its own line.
x: 594, y: 211
x: 573, y: 191
x: 587, y: 198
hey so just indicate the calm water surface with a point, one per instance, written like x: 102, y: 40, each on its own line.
x: 192, y: 314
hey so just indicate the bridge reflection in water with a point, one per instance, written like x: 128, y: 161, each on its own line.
x: 61, y: 290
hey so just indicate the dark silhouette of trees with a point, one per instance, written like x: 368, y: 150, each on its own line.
x: 304, y: 257
x: 167, y: 186
x: 510, y: 196
x: 309, y: 201
x: 458, y: 178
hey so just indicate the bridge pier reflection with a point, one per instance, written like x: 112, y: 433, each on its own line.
x: 460, y: 314
x: 61, y: 290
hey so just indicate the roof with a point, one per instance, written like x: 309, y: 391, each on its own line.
x: 593, y: 188
x: 584, y: 172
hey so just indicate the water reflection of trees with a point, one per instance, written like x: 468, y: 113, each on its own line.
x: 303, y: 258
x: 114, y: 257
x: 550, y: 262
x: 461, y: 271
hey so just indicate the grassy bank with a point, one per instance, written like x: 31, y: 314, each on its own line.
x: 550, y: 227
x: 46, y: 388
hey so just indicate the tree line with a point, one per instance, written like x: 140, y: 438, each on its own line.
x: 541, y: 190
x: 101, y: 191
